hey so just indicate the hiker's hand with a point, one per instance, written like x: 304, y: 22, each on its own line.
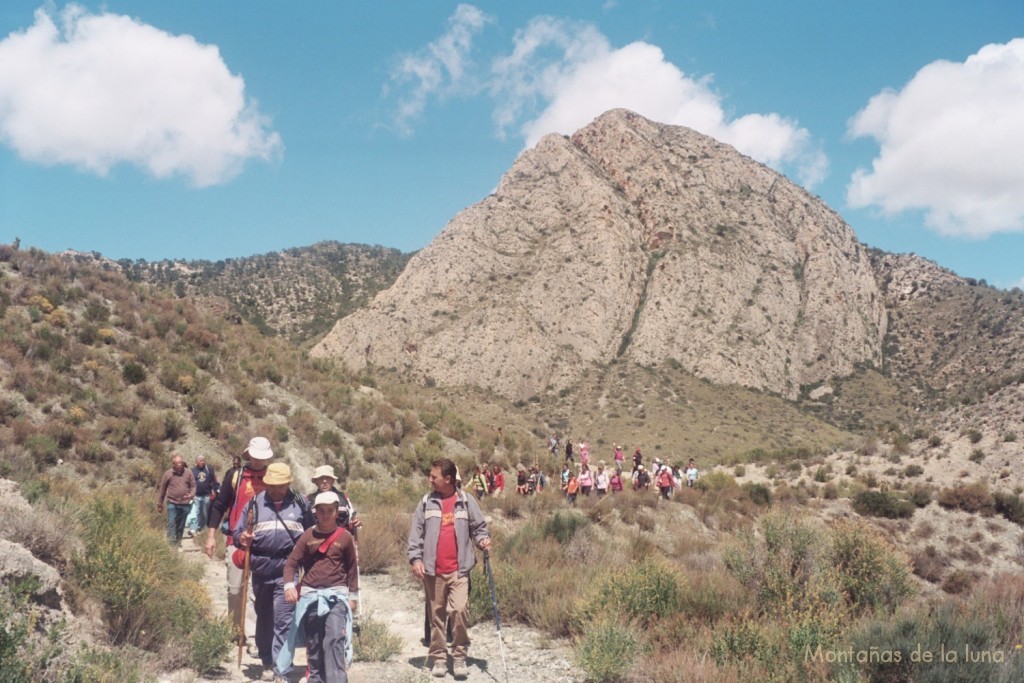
x: 355, y: 524
x: 485, y: 544
x: 245, y: 539
x: 159, y: 507
x: 211, y: 545
x: 291, y: 596
x: 417, y: 569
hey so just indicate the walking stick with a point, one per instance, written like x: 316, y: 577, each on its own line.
x: 497, y: 620
x: 245, y: 594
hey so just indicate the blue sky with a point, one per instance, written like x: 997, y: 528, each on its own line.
x: 198, y: 129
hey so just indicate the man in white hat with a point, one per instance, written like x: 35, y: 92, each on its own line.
x: 235, y: 492
x: 270, y: 526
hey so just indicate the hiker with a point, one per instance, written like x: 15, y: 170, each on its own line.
x: 240, y: 485
x: 584, y: 453
x: 327, y: 555
x: 568, y: 450
x: 206, y: 486
x: 522, y: 480
x: 488, y: 477
x: 665, y: 483
x: 566, y: 471
x: 615, y: 482
x: 540, y: 482
x: 270, y: 526
x: 572, y: 487
x: 178, y: 488
x: 325, y: 480
x: 638, y: 461
x: 499, y: 480
x: 586, y: 480
x: 446, y: 525
x: 691, y: 473
x: 642, y: 480
x: 619, y: 456
x: 477, y: 483
x: 601, y: 480
x: 553, y: 443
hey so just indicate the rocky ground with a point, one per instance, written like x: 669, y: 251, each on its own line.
x: 529, y: 655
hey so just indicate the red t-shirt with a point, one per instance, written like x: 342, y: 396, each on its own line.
x: 447, y: 550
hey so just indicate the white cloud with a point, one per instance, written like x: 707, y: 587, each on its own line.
x: 104, y: 89
x: 951, y: 144
x: 442, y: 67
x: 561, y: 75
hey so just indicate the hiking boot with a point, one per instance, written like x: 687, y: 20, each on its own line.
x: 460, y: 670
x: 267, y: 674
x: 440, y: 669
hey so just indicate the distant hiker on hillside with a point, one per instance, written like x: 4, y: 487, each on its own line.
x: 324, y: 608
x: 642, y: 480
x: 638, y: 460
x: 568, y: 450
x: 615, y: 482
x: 522, y: 480
x: 239, y: 487
x: 445, y: 527
x: 601, y: 480
x: 279, y: 517
x: 691, y: 473
x: 665, y: 483
x: 619, y: 456
x: 584, y: 453
x: 572, y: 488
x: 586, y: 480
x: 178, y: 488
x: 553, y: 443
x: 478, y: 483
x: 499, y: 480
x: 488, y: 477
x: 206, y: 486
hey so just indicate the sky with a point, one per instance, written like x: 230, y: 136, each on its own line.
x: 202, y: 129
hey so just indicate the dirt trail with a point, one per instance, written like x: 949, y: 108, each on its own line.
x: 529, y: 655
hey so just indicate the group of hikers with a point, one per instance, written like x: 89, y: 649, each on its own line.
x: 585, y: 478
x: 299, y: 554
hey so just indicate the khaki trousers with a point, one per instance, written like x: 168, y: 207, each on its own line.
x: 448, y: 598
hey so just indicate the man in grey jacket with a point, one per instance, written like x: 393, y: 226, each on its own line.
x: 446, y: 526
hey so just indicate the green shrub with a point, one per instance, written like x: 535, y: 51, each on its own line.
x: 970, y: 498
x: 1010, y: 505
x: 375, y: 642
x: 210, y: 642
x: 645, y: 591
x: 973, y: 435
x: 759, y: 494
x: 882, y: 504
x: 913, y: 471
x: 133, y: 373
x: 872, y: 572
x: 562, y: 526
x: 607, y: 650
x: 976, y: 456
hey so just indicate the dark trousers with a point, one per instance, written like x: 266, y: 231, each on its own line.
x: 273, y: 619
x: 325, y: 644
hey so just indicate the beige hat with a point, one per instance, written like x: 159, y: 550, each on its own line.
x: 326, y: 498
x: 277, y: 473
x: 323, y: 471
x: 259, y: 448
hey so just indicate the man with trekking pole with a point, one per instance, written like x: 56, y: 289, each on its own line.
x: 445, y: 527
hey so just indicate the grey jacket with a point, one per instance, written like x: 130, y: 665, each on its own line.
x: 470, y: 529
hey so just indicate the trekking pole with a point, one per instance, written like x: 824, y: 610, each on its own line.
x: 245, y: 594
x: 497, y: 621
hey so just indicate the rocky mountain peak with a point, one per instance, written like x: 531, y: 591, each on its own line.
x: 632, y: 240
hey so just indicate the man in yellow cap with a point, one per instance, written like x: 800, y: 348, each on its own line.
x: 270, y: 526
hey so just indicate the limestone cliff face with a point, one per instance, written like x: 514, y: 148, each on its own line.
x: 630, y: 239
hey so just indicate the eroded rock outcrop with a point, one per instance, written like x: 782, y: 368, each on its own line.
x: 632, y: 240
